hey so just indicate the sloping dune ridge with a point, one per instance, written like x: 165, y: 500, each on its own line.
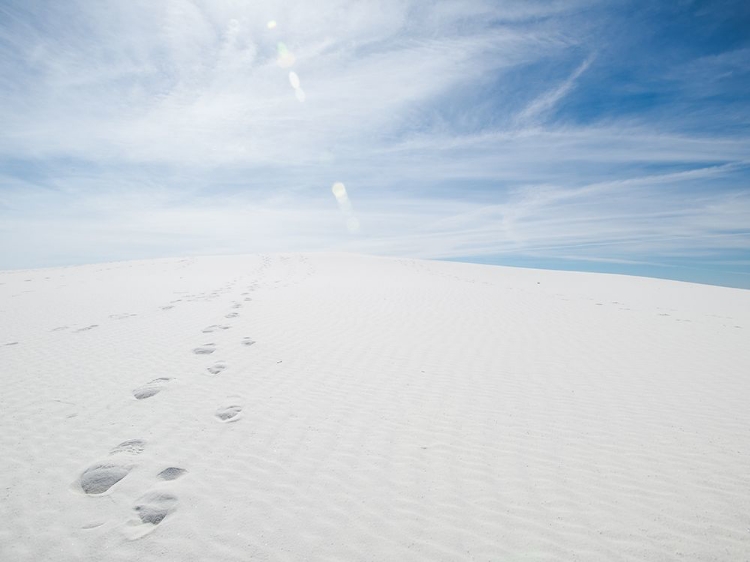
x: 351, y: 408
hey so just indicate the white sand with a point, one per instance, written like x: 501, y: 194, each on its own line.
x: 387, y: 410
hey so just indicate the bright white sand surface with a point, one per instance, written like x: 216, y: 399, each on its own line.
x: 333, y: 407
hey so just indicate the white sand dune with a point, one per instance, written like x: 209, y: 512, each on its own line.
x: 334, y: 407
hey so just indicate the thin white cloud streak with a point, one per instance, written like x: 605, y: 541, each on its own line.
x: 533, y: 114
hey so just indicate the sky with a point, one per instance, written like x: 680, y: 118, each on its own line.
x: 604, y: 136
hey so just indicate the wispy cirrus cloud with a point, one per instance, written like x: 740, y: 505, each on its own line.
x: 533, y: 113
x: 462, y: 129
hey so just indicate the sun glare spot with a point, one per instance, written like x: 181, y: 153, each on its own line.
x: 271, y: 24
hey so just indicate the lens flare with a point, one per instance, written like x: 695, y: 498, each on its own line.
x: 352, y: 224
x: 298, y: 91
x: 339, y: 192
x: 271, y: 24
x: 285, y: 58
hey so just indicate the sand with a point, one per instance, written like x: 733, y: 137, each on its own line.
x: 340, y: 407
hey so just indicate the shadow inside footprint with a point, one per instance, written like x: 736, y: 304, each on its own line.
x: 154, y: 507
x: 129, y: 447
x: 248, y: 341
x: 150, y: 389
x: 217, y: 368
x: 229, y: 413
x: 214, y: 328
x: 205, y: 349
x: 101, y: 477
x: 171, y: 473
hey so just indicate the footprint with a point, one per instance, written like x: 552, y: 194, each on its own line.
x: 10, y: 343
x: 217, y: 368
x: 152, y: 509
x: 215, y: 328
x: 232, y: 315
x: 205, y: 349
x: 230, y: 413
x: 129, y: 447
x: 59, y: 328
x: 248, y: 341
x: 172, y: 473
x: 168, y: 307
x: 99, y: 478
x: 87, y: 328
x: 121, y: 316
x: 155, y: 506
x: 237, y: 305
x: 150, y: 389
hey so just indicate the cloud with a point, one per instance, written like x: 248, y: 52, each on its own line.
x: 140, y: 130
x: 535, y: 111
x: 198, y: 84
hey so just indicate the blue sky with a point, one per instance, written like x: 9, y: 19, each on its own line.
x: 600, y: 136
